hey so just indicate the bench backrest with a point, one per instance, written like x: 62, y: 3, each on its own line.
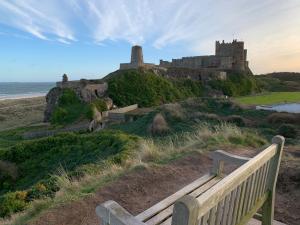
x: 238, y: 196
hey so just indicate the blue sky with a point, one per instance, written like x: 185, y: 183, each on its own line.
x: 41, y: 40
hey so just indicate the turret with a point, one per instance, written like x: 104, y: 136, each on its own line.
x: 137, y: 56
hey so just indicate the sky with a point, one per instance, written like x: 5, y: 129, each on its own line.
x: 41, y: 40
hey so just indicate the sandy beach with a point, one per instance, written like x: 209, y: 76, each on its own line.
x: 21, y: 112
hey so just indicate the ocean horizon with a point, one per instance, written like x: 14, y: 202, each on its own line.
x: 17, y: 90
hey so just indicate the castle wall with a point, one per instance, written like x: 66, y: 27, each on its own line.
x: 228, y: 56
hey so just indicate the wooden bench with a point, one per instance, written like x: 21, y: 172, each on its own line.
x: 214, y: 199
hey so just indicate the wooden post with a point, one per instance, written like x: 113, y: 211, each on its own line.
x: 185, y: 211
x: 268, y: 206
x: 111, y: 213
x: 220, y: 156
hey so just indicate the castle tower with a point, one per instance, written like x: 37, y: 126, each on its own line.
x: 137, y: 56
x: 236, y: 50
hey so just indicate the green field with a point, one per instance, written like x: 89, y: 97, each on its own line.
x: 270, y: 98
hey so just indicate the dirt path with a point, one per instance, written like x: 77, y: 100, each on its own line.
x: 142, y: 188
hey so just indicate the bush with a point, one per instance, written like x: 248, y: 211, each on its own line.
x: 237, y: 120
x: 70, y: 109
x: 283, y: 118
x: 100, y: 105
x: 12, y: 202
x: 148, y: 89
x: 39, y: 159
x: 288, y: 131
x: 68, y: 97
x: 236, y: 85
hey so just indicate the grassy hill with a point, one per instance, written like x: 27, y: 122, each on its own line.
x: 148, y: 89
x: 279, y: 82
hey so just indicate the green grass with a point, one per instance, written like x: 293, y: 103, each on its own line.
x: 270, y: 98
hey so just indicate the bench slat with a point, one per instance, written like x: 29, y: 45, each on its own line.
x: 162, y: 215
x: 171, y: 199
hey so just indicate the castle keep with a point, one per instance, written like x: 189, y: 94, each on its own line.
x: 137, y: 60
x: 228, y: 57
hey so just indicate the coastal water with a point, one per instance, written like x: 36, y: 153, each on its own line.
x: 15, y: 90
x: 288, y: 107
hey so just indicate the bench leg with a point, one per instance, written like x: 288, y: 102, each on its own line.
x: 268, y: 210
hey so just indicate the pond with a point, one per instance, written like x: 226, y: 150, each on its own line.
x: 288, y: 107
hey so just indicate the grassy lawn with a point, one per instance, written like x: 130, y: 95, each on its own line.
x: 270, y: 98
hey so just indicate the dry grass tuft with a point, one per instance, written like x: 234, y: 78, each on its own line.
x: 159, y: 125
x: 174, y: 110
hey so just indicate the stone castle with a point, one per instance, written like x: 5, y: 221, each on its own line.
x: 229, y: 57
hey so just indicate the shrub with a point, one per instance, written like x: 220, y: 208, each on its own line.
x: 68, y: 97
x: 148, y: 89
x: 9, y: 169
x: 38, y: 159
x: 236, y: 84
x: 283, y: 118
x: 70, y: 109
x: 288, y: 131
x: 237, y: 120
x: 159, y: 125
x: 12, y: 202
x: 100, y: 105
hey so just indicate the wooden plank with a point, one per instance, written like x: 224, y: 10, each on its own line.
x: 256, y: 180
x: 219, y: 211
x: 205, y: 219
x: 231, y: 208
x: 212, y: 216
x: 236, y: 204
x: 240, y: 206
x: 264, y: 179
x: 167, y: 221
x: 263, y: 172
x: 172, y: 198
x: 253, y: 185
x: 211, y: 197
x: 162, y: 215
x: 226, y: 208
x: 250, y: 214
x: 246, y: 197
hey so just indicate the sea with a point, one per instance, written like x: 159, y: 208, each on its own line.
x: 16, y: 90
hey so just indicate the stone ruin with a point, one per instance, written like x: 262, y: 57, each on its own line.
x: 86, y: 90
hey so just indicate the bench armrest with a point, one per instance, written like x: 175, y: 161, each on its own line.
x: 112, y: 213
x: 220, y: 156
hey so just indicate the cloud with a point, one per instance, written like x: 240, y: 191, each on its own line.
x: 270, y: 28
x: 40, y: 19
